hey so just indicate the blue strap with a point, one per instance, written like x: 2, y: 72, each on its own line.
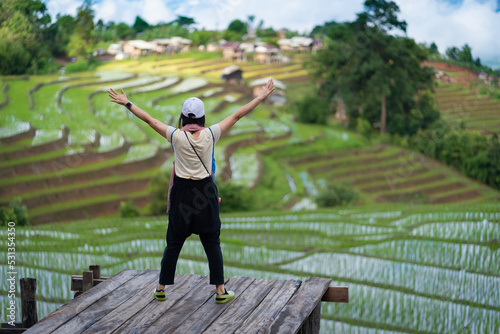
x: 171, y: 143
x: 213, y: 156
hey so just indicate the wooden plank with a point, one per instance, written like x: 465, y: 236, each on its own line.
x: 12, y: 330
x: 241, y: 307
x: 71, y: 309
x: 90, y: 315
x: 300, y: 306
x: 156, y: 309
x: 122, y: 313
x: 312, y: 323
x: 336, y: 294
x: 270, y: 307
x: 188, y: 305
x: 210, y: 311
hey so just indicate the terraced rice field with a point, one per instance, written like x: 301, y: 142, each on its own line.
x: 69, y: 153
x: 382, y: 173
x: 462, y: 99
x: 479, y: 112
x: 423, y: 268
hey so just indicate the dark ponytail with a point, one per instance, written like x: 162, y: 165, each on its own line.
x: 184, y: 120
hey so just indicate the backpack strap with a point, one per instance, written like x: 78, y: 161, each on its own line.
x: 213, y: 156
x: 171, y: 142
x: 171, y: 138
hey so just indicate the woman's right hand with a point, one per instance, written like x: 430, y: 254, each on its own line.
x: 266, y: 90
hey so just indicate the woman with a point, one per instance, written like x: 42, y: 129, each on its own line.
x: 193, y: 196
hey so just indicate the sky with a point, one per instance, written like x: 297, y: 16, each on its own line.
x: 445, y: 22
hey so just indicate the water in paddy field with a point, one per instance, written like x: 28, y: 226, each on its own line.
x: 428, y: 279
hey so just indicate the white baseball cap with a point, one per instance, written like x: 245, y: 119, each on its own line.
x: 193, y: 105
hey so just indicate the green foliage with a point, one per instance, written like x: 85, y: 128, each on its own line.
x: 473, y: 154
x: 128, y: 209
x: 64, y: 27
x: 15, y: 212
x: 323, y: 30
x: 159, y: 193
x: 202, y: 37
x: 78, y: 66
x: 140, y: 25
x: 234, y: 198
x: 383, y: 14
x: 268, y: 32
x: 22, y: 24
x: 312, y: 109
x: 364, y: 66
x: 337, y: 194
x: 433, y: 49
x: 463, y: 55
x: 165, y: 30
x: 184, y: 21
x: 235, y: 31
x: 364, y: 127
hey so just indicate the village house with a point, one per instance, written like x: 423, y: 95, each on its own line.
x: 231, y: 51
x: 232, y: 73
x: 213, y: 47
x: 268, y: 54
x: 136, y: 48
x: 173, y: 44
x: 297, y: 43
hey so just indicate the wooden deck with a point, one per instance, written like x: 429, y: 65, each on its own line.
x: 124, y: 303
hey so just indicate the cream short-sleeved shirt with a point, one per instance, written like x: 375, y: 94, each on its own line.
x: 187, y: 164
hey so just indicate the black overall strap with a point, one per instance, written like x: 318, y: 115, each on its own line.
x: 196, y: 153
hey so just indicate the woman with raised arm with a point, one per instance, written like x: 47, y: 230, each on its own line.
x: 193, y: 201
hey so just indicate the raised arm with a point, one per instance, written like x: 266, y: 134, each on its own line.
x: 122, y: 99
x: 230, y: 120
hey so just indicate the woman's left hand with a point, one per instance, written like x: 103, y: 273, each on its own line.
x: 266, y: 90
x: 118, y: 98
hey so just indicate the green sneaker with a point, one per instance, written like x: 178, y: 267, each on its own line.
x: 224, y: 298
x: 159, y: 295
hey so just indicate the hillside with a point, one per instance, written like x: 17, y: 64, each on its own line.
x: 462, y: 96
x: 69, y: 153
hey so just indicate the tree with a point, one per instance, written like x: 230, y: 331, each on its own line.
x: 23, y: 27
x: 202, y: 37
x: 64, y: 27
x: 235, y: 30
x: 433, y: 49
x: 377, y: 75
x: 82, y: 40
x: 140, y: 25
x: 323, y: 30
x: 184, y: 21
x: 383, y: 14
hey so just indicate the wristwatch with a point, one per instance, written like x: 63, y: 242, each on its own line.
x: 128, y: 105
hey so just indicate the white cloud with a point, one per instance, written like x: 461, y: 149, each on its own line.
x: 293, y: 14
x: 153, y: 11
x: 472, y: 22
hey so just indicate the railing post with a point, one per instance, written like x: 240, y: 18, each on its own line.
x: 96, y: 269
x: 28, y: 302
x: 312, y: 323
x: 88, y: 280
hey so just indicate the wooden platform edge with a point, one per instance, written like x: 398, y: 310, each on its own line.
x: 336, y: 294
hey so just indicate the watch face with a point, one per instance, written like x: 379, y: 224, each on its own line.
x: 128, y: 105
